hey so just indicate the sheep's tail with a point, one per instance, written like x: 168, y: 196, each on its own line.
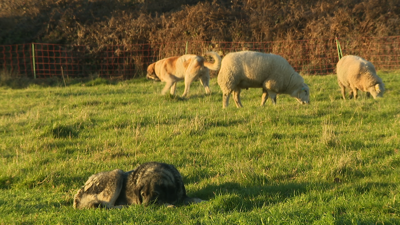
x: 217, y: 61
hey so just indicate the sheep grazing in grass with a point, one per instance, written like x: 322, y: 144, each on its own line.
x: 356, y: 73
x: 272, y: 73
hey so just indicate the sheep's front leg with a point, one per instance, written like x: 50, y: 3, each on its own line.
x: 351, y: 94
x: 236, y: 97
x: 268, y: 86
x: 264, y: 97
x: 355, y: 94
x: 272, y: 96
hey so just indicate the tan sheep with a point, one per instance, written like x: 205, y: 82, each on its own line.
x: 356, y: 73
x: 272, y: 73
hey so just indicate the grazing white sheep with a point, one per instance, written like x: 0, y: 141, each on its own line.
x: 356, y: 73
x: 272, y: 73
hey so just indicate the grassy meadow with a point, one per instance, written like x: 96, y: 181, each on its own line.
x: 330, y: 162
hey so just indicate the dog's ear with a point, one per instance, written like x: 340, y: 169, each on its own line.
x: 151, y: 68
x: 76, y: 203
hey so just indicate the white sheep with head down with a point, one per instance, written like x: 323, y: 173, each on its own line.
x: 250, y: 69
x: 356, y: 73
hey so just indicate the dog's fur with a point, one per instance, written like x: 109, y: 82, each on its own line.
x: 151, y: 182
x: 187, y: 67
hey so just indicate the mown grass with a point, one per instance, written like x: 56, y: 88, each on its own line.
x: 330, y: 162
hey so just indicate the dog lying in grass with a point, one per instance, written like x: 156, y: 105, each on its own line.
x: 151, y: 182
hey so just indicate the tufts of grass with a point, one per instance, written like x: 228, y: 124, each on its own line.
x: 62, y: 131
x: 329, y: 137
x: 332, y: 161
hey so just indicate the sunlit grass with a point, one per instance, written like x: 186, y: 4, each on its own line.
x: 332, y: 161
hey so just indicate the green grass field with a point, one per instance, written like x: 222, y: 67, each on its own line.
x: 330, y: 162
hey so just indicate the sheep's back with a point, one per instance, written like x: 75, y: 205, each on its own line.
x: 255, y: 67
x: 356, y: 71
x: 348, y: 68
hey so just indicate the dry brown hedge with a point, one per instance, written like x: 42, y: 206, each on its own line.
x: 105, y: 22
x: 130, y: 34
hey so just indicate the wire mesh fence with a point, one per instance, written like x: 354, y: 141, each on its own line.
x: 309, y: 57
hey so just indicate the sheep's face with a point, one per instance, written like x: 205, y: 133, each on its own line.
x: 303, y: 94
x: 377, y: 90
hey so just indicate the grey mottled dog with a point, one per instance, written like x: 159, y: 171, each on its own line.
x: 151, y: 182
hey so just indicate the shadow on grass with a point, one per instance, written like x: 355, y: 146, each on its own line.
x: 177, y: 97
x: 202, y: 96
x: 233, y: 195
x: 230, y: 196
x: 173, y: 98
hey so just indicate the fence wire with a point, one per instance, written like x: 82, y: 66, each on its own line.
x: 308, y: 57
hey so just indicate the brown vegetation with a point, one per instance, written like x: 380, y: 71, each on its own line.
x: 123, y: 22
x: 120, y: 38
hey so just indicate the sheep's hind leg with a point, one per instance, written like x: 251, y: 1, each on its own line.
x: 343, y: 90
x: 236, y: 97
x: 225, y: 99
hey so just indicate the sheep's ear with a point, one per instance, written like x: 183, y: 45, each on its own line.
x: 377, y: 88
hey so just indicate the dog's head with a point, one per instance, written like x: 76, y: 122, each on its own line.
x: 146, y: 194
x: 151, y: 72
x: 83, y: 200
